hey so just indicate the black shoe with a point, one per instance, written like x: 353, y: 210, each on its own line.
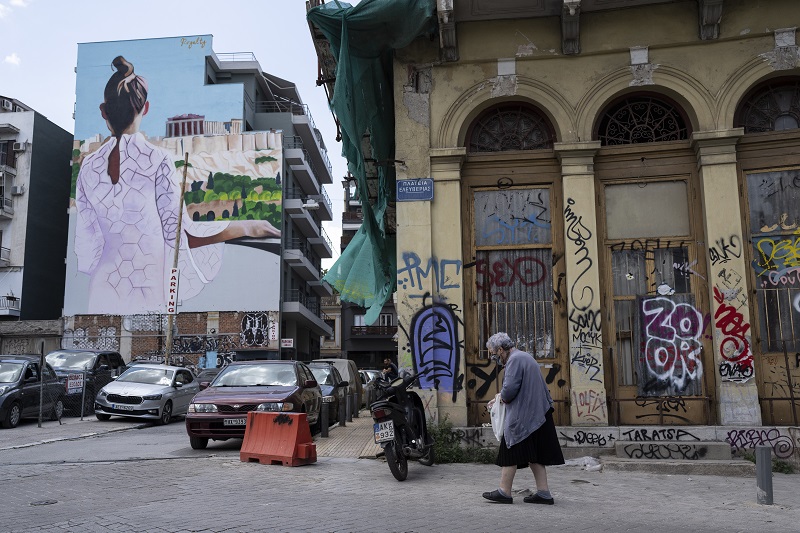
x: 496, y: 497
x: 535, y: 498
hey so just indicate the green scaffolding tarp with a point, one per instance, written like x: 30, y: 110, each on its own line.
x: 363, y: 38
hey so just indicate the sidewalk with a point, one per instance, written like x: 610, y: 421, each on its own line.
x: 355, y: 440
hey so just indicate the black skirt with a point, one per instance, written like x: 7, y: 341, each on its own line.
x: 540, y: 447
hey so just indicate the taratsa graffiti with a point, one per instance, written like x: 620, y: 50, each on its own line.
x: 734, y: 346
x: 439, y: 274
x: 657, y: 434
x: 436, y: 347
x: 743, y: 439
x: 672, y: 346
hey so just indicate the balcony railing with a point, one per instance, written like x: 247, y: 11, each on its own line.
x: 5, y: 256
x: 373, y: 330
x: 237, y: 56
x: 296, y: 193
x: 281, y: 106
x: 352, y: 216
x: 331, y: 301
x: 303, y: 246
x: 310, y: 302
x: 9, y: 302
x: 325, y: 236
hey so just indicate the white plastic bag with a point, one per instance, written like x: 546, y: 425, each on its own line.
x: 498, y: 414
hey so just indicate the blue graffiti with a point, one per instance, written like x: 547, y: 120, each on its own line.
x: 436, y: 348
x: 518, y: 230
x: 445, y: 274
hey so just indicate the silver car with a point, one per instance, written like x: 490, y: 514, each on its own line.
x: 156, y: 392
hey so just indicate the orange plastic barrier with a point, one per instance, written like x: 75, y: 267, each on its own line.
x: 278, y: 438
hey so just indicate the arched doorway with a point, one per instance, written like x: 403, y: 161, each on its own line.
x: 510, y: 184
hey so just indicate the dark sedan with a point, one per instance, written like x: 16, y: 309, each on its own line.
x: 89, y: 369
x: 334, y: 388
x: 21, y: 387
x: 219, y: 412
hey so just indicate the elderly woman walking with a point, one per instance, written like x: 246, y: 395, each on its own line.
x: 529, y: 434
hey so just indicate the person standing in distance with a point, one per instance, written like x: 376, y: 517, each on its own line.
x: 529, y: 434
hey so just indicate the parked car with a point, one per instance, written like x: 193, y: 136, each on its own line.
x: 349, y: 371
x: 368, y: 377
x: 205, y: 376
x: 20, y: 390
x: 153, y: 392
x: 333, y: 387
x: 100, y: 367
x: 219, y: 411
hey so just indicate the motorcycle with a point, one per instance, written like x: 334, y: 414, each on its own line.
x: 400, y: 426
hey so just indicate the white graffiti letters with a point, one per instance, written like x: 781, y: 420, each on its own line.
x: 672, y: 333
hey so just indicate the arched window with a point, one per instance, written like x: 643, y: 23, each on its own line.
x: 773, y: 106
x: 642, y: 119
x: 510, y: 126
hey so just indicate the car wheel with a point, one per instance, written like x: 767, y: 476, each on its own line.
x: 12, y: 416
x: 102, y: 416
x: 58, y: 410
x: 198, y: 443
x: 166, y: 414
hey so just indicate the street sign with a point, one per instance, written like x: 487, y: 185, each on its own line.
x: 172, y: 292
x: 287, y: 343
x: 415, y: 190
x: 74, y: 383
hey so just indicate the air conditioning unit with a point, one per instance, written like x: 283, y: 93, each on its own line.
x: 17, y: 190
x: 8, y: 105
x: 19, y: 147
x: 19, y: 109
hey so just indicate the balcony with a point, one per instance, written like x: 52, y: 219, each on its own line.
x: 305, y: 127
x: 351, y: 220
x: 306, y: 311
x: 9, y: 306
x: 296, y: 254
x: 322, y: 244
x: 7, y: 211
x: 5, y: 257
x: 373, y: 331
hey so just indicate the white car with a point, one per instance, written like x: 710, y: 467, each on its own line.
x: 150, y: 391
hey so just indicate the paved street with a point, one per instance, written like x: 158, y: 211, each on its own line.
x: 130, y: 477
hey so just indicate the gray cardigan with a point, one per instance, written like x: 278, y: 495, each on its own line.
x: 526, y: 396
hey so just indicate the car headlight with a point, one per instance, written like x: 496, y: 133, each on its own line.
x: 275, y: 406
x: 202, y: 408
x: 102, y: 393
x: 152, y: 397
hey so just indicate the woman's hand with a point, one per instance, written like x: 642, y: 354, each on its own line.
x: 258, y: 229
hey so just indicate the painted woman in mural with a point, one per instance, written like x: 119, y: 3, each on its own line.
x: 127, y: 197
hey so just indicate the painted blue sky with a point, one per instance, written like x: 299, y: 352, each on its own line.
x: 39, y: 52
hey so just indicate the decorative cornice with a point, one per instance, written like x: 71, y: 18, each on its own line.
x: 570, y: 27
x: 448, y: 44
x: 710, y: 17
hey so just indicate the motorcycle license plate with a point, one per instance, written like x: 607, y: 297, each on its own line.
x: 384, y: 431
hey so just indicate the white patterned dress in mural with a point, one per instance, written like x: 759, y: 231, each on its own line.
x: 125, y: 232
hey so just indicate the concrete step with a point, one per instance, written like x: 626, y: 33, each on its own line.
x: 696, y: 467
x: 673, y: 450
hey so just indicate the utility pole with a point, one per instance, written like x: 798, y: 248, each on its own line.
x: 171, y: 316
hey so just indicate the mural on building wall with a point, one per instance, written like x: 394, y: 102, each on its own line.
x: 124, y: 211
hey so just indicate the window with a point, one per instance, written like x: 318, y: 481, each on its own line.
x: 7, y: 154
x: 510, y: 127
x: 513, y: 271
x: 358, y: 320
x: 774, y: 199
x: 331, y: 323
x: 774, y: 106
x: 386, y: 320
x: 642, y: 119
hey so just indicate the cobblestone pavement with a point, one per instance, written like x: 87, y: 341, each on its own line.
x: 215, y: 493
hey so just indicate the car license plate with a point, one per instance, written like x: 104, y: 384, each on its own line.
x: 122, y: 407
x: 234, y: 422
x: 384, y: 431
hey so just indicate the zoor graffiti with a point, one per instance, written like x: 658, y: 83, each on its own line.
x: 672, y: 346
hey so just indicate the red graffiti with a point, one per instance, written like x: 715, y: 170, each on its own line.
x: 526, y: 270
x: 590, y: 405
x: 734, y: 346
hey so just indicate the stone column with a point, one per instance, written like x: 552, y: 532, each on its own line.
x: 430, y: 298
x: 587, y: 381
x: 737, y: 392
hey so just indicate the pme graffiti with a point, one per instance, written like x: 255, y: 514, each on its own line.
x: 435, y: 275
